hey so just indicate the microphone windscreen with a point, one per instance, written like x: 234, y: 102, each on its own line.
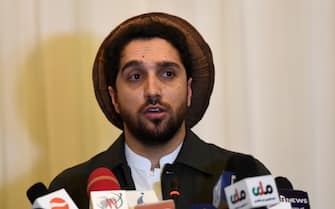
x: 35, y: 191
x: 283, y: 183
x: 102, y: 179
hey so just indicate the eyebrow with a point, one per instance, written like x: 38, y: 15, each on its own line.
x: 132, y: 63
x: 166, y: 64
x: 137, y: 63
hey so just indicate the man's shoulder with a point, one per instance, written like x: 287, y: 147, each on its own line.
x: 196, y: 147
x: 77, y: 173
x: 221, y: 159
x: 80, y: 172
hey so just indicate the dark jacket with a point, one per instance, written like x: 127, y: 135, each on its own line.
x: 197, y: 169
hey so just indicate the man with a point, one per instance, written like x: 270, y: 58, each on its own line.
x: 153, y: 77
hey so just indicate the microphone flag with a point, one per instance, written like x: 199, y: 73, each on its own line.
x: 58, y: 199
x: 219, y: 197
x: 252, y: 192
x: 121, y: 199
x: 113, y: 199
x: 297, y: 198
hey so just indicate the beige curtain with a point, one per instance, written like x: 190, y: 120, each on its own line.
x: 274, y: 94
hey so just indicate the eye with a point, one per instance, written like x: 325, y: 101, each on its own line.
x: 134, y: 77
x: 168, y: 74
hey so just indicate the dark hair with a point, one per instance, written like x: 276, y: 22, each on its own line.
x: 147, y: 31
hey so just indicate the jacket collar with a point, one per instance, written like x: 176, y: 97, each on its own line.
x: 195, y: 153
x: 116, y: 153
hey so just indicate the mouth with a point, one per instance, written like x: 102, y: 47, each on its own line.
x: 155, y: 112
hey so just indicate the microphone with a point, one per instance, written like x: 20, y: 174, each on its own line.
x: 283, y: 183
x: 297, y: 198
x: 252, y: 192
x: 219, y: 196
x: 40, y: 197
x: 172, y: 181
x: 102, y: 179
x: 35, y: 191
x: 104, y: 191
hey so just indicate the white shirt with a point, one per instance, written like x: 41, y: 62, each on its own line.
x: 145, y: 178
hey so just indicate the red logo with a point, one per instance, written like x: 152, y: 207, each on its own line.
x: 58, y: 203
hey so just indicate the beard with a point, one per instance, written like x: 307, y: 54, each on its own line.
x: 162, y: 132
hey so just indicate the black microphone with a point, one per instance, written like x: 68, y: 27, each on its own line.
x: 41, y: 198
x: 297, y: 198
x: 174, y: 188
x: 35, y: 191
x: 172, y: 182
x: 283, y: 183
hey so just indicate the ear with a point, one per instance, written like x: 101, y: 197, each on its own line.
x: 189, y: 92
x: 113, y: 95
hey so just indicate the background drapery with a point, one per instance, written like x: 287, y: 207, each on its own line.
x: 274, y: 93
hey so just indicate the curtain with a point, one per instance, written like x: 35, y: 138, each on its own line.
x: 273, y: 98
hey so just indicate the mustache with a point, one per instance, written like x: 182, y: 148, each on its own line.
x: 154, y: 100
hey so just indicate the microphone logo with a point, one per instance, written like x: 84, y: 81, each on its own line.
x: 259, y: 190
x: 113, y: 201
x: 58, y: 203
x: 252, y: 192
x: 237, y: 196
x: 140, y: 199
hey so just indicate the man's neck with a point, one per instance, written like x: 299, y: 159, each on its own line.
x: 156, y: 152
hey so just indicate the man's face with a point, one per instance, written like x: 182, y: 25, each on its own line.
x: 152, y: 91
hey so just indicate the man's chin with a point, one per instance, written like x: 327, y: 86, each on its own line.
x: 154, y: 124
x: 155, y: 134
x: 153, y: 131
x: 155, y: 128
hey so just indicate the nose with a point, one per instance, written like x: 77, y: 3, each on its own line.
x: 152, y: 87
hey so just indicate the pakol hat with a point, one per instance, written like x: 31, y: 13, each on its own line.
x: 202, y: 71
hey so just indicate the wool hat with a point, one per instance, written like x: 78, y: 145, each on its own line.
x: 202, y: 71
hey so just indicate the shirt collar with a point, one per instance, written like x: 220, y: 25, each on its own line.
x: 140, y: 162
